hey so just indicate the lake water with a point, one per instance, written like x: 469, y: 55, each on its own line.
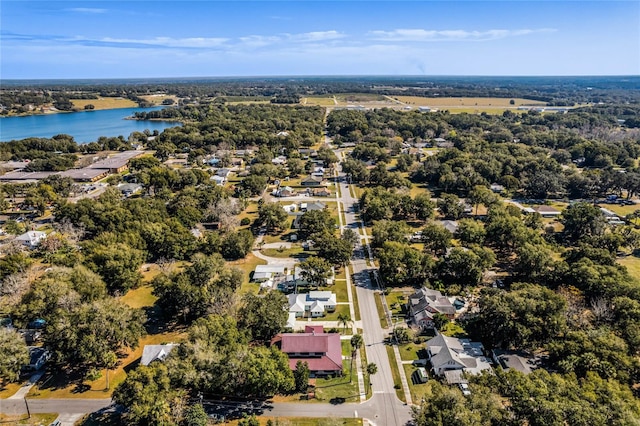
x: 85, y: 126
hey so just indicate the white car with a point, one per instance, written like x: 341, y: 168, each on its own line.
x: 464, y: 388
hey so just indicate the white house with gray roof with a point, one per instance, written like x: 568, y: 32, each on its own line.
x: 448, y: 354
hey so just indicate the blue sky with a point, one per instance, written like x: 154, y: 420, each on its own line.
x: 113, y: 39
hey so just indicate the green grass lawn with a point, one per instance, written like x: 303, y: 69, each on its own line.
x: 356, y: 305
x: 247, y: 266
x: 284, y: 252
x: 632, y: 263
x: 21, y: 419
x: 397, y: 300
x: 412, y: 351
x: 453, y: 329
x: 8, y: 389
x: 340, y: 289
x: 418, y: 390
x: 333, y: 316
x: 140, y: 297
x: 621, y: 210
x: 381, y: 314
x: 339, y: 387
x: 395, y: 373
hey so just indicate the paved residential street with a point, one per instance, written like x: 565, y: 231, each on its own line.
x: 384, y: 408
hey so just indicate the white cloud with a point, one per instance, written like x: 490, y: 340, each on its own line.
x: 86, y: 10
x: 189, y: 42
x: 422, y: 35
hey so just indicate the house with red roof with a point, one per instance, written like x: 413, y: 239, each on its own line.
x: 321, y: 351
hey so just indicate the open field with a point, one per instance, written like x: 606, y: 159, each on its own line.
x: 412, y: 351
x: 158, y: 99
x: 318, y: 100
x: 446, y: 103
x: 104, y: 103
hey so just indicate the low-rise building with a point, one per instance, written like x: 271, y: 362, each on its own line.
x: 151, y: 353
x: 31, y: 239
x: 425, y: 303
x: 321, y: 351
x: 514, y: 360
x: 450, y: 357
x: 313, y: 304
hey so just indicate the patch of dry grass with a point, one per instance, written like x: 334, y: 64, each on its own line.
x: 104, y: 103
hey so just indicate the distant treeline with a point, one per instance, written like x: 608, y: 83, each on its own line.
x: 555, y: 91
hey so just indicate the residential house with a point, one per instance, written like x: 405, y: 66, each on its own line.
x: 32, y: 239
x: 322, y: 192
x: 280, y: 160
x: 547, y: 211
x: 321, y: 351
x: 450, y: 225
x: 291, y: 208
x: 223, y: 173
x: 151, y: 353
x: 312, y: 181
x: 313, y: 304
x: 443, y: 143
x: 298, y: 280
x: 497, y: 188
x: 308, y: 207
x: 450, y: 357
x: 425, y: 303
x: 38, y: 357
x: 218, y: 180
x: 515, y: 360
x: 287, y: 191
x: 264, y: 273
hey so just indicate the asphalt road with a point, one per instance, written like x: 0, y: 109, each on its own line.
x: 383, y: 409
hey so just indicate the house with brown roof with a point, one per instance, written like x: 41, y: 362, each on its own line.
x: 321, y: 351
x: 425, y: 303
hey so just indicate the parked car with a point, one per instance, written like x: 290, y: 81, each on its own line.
x: 464, y: 387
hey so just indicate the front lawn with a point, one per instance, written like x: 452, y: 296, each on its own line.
x: 34, y: 419
x: 333, y: 316
x: 418, y: 390
x: 412, y: 351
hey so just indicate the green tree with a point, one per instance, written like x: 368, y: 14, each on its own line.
x: 91, y: 334
x: 387, y: 230
x: 14, y: 354
x: 272, y: 216
x: 344, y: 318
x: 315, y: 270
x: 194, y: 415
x: 334, y: 250
x: 237, y: 244
x: 147, y: 394
x: 470, y: 232
x: 263, y: 316
x: 450, y: 206
x: 436, y: 238
x: 356, y: 343
x: 301, y: 376
x: 526, y: 317
x: 251, y: 420
x: 371, y: 369
x: 582, y: 220
x: 316, y: 222
x: 401, y: 264
x: 117, y: 263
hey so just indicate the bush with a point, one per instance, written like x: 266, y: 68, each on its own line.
x: 245, y: 221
